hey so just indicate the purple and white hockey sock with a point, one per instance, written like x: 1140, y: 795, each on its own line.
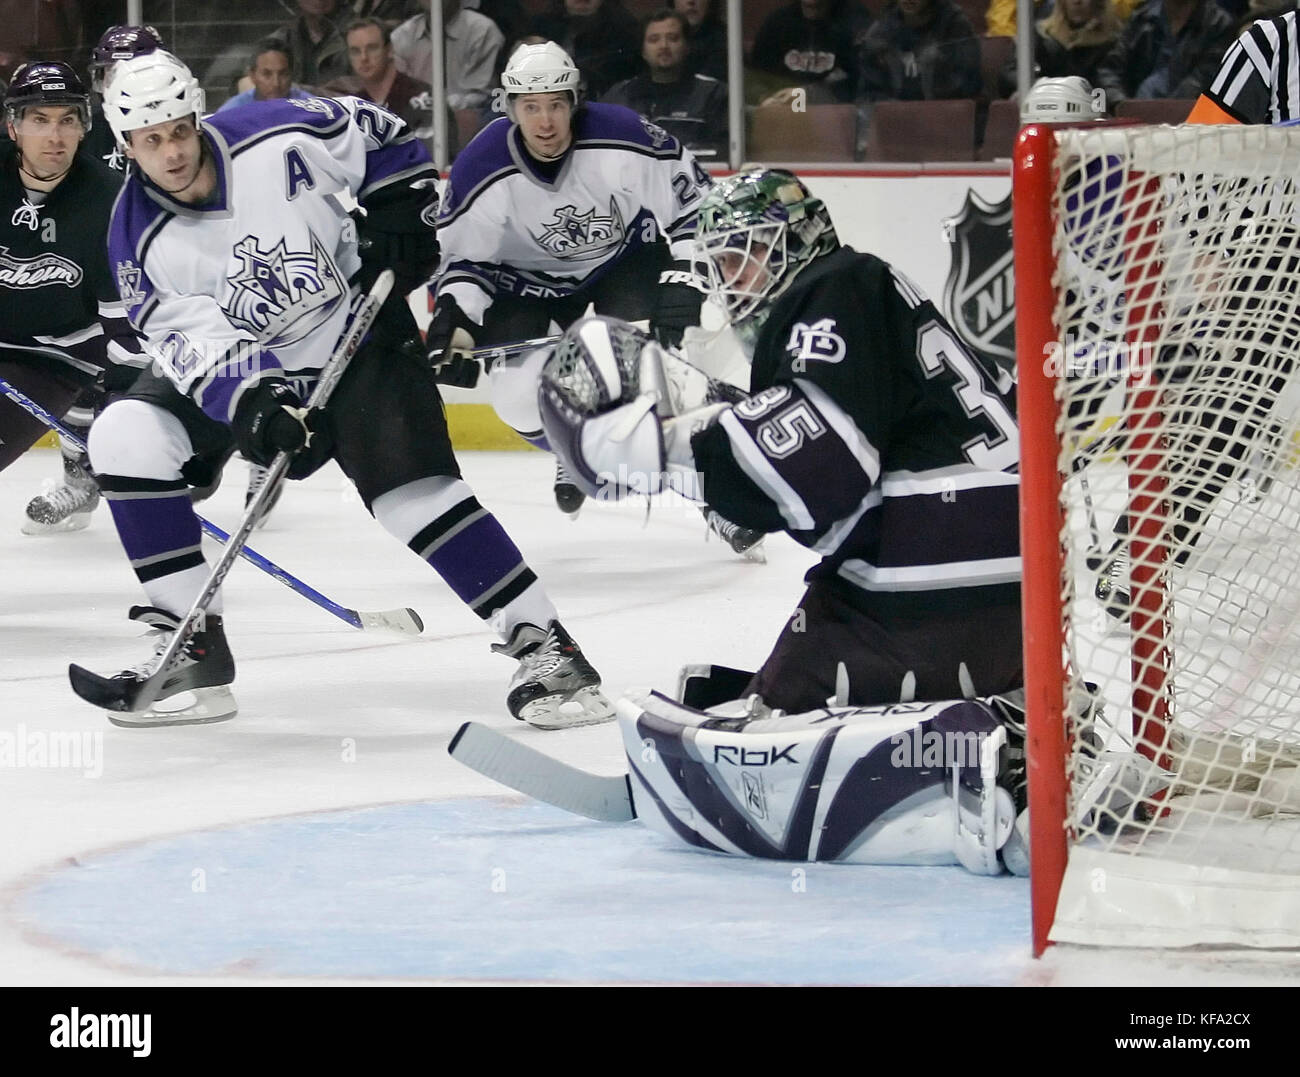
x: 162, y: 538
x: 441, y: 520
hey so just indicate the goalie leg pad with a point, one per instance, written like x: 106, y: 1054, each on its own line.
x: 908, y: 784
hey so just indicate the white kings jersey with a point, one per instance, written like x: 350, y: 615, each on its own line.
x: 512, y: 225
x: 255, y: 281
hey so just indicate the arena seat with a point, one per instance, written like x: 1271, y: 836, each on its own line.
x: 922, y: 131
x: 818, y: 133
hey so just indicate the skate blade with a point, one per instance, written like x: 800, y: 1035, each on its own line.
x: 78, y: 521
x: 206, y: 705
x: 586, y: 706
x: 756, y: 553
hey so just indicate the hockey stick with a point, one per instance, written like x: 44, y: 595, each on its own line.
x: 405, y: 621
x: 128, y: 695
x: 494, y: 353
x: 607, y: 799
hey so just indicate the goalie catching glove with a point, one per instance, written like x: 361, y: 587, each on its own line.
x: 271, y: 419
x: 609, y: 407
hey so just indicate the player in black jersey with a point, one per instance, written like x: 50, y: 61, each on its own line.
x: 63, y: 328
x: 62, y: 507
x: 870, y: 435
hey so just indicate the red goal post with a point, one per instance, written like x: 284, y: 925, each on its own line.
x: 1157, y: 339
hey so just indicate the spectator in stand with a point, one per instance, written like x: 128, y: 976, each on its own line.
x: 390, y: 12
x: 708, y: 37
x: 601, y: 37
x: 316, y: 43
x: 509, y: 15
x: 45, y: 30
x: 1170, y: 48
x: 473, y: 44
x: 1000, y: 19
x: 376, y: 77
x: 269, y: 67
x: 921, y: 50
x: 1072, y: 40
x: 812, y: 44
x: 690, y: 107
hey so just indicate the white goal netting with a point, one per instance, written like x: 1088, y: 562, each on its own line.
x: 1177, y: 373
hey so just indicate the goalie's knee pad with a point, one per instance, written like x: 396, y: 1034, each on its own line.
x: 705, y: 686
x: 513, y: 384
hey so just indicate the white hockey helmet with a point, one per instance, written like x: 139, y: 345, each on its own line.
x: 152, y: 88
x: 1063, y: 100
x: 543, y: 68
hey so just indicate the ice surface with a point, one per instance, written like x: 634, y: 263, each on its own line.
x: 325, y: 835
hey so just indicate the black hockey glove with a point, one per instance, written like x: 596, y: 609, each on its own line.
x: 271, y: 419
x: 449, y: 340
x: 677, y: 305
x: 397, y: 233
x: 118, y: 377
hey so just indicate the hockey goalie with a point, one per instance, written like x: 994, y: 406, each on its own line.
x: 882, y: 727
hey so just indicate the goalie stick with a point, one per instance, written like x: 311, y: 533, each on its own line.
x: 404, y: 621
x: 605, y: 798
x: 122, y: 695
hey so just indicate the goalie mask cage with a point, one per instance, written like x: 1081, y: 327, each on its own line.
x: 1158, y: 339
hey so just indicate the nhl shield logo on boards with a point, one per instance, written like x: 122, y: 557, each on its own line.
x: 979, y: 295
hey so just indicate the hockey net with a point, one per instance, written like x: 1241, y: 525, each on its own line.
x: 1158, y: 347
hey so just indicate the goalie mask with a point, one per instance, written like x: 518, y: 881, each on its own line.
x: 757, y: 230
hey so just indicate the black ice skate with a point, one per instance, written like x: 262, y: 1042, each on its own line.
x: 68, y: 506
x: 743, y: 540
x: 203, y: 668
x: 555, y: 687
x: 256, y: 480
x: 568, y: 498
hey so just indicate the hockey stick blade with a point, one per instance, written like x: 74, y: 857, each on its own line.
x: 396, y: 620
x: 405, y: 621
x: 104, y: 692
x: 607, y: 799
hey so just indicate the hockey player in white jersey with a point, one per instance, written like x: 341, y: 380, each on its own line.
x: 241, y: 267
x: 558, y: 205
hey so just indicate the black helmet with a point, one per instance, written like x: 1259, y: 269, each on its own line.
x: 46, y: 82
x: 120, y: 43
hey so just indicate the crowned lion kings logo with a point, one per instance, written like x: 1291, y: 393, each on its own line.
x: 574, y: 235
x: 979, y: 296
x: 280, y: 296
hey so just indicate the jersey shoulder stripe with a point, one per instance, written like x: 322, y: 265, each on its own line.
x: 482, y: 163
x: 244, y: 127
x: 614, y: 126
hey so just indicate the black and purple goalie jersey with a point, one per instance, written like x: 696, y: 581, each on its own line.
x: 875, y: 438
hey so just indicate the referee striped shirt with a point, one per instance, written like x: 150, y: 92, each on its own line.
x: 1259, y: 79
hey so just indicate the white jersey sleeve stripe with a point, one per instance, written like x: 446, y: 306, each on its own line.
x: 759, y: 469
